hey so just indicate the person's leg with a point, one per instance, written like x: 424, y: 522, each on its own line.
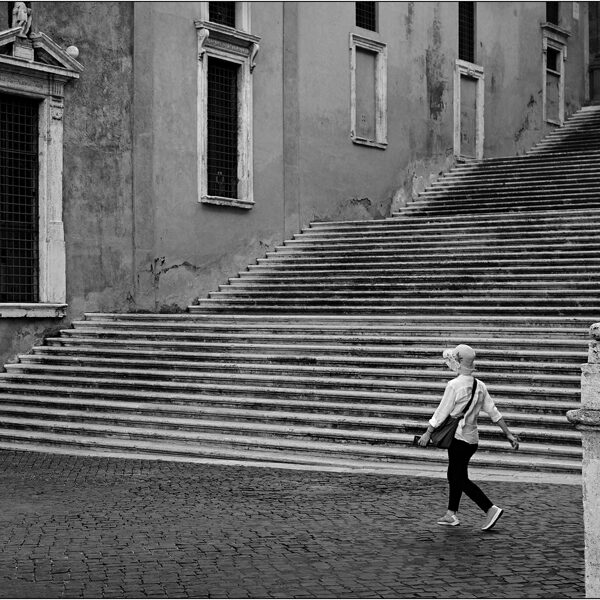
x: 458, y: 460
x: 472, y: 490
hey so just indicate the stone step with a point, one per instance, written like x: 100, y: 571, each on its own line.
x: 485, y: 205
x: 283, y: 426
x: 451, y: 228
x: 511, y: 297
x: 546, y: 346
x: 546, y: 373
x: 467, y: 245
x: 311, y: 375
x: 434, y: 281
x: 507, y: 193
x: 480, y: 222
x: 227, y: 305
x: 493, y: 361
x: 421, y: 402
x: 275, y: 386
x: 330, y: 321
x: 373, y: 284
x: 509, y: 302
x: 532, y: 414
x: 561, y: 261
x: 401, y: 270
x: 427, y: 237
x: 496, y: 182
x: 321, y: 456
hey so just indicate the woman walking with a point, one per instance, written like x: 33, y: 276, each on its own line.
x: 457, y: 396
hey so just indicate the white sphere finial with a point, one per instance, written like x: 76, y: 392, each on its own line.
x: 73, y: 51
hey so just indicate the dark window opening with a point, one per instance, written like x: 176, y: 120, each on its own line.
x: 19, y: 228
x: 366, y: 15
x: 552, y: 12
x: 466, y: 31
x: 222, y: 159
x: 222, y: 13
x: 552, y: 56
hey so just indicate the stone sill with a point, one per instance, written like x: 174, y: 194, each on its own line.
x: 222, y: 201
x: 371, y: 143
x: 32, y: 310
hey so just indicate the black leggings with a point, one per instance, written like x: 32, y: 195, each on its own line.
x: 459, y: 455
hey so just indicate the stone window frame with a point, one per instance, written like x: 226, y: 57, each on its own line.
x: 554, y: 37
x: 45, y: 83
x: 239, y: 47
x: 467, y: 69
x: 380, y: 49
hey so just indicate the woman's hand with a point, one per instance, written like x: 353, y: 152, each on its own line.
x: 424, y: 440
x: 514, y: 440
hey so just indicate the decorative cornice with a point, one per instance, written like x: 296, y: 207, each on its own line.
x: 228, y: 34
x: 555, y: 31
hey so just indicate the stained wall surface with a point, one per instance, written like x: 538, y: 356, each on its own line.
x: 137, y: 237
x: 97, y: 175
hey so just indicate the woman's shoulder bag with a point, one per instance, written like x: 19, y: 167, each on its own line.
x: 443, y: 434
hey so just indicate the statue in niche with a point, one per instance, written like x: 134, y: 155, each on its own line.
x: 21, y: 17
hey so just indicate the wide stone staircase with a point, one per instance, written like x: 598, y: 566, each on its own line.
x: 327, y: 352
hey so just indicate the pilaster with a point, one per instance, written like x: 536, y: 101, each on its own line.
x: 587, y: 420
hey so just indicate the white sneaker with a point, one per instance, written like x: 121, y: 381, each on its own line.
x: 492, y: 516
x: 451, y: 520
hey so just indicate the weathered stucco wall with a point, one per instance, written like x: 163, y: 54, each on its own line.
x: 184, y: 248
x: 509, y: 46
x: 343, y: 180
x: 97, y: 165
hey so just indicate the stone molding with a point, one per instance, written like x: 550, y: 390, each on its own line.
x: 463, y: 68
x: 380, y: 51
x: 237, y: 46
x: 555, y: 38
x: 22, y: 73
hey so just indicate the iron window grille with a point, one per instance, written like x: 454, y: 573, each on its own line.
x: 19, y: 229
x: 222, y: 134
x: 552, y: 15
x: 466, y: 31
x: 222, y: 13
x: 366, y: 15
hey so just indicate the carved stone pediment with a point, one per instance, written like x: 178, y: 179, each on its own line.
x: 227, y: 39
x: 36, y: 55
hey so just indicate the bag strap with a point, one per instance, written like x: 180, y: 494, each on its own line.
x: 464, y: 412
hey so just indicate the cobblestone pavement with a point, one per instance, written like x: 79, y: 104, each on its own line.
x: 103, y: 527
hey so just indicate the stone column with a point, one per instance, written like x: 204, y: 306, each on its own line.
x: 587, y: 420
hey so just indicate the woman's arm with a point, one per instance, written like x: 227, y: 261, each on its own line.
x: 513, y: 439
x: 442, y: 411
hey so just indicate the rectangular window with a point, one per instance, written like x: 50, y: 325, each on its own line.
x: 19, y: 227
x: 552, y: 57
x: 222, y: 13
x: 366, y: 15
x: 552, y: 15
x: 368, y: 92
x: 466, y: 31
x: 222, y: 130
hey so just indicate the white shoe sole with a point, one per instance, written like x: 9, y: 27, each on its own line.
x: 453, y: 524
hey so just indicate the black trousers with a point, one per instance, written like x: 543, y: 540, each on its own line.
x: 459, y: 455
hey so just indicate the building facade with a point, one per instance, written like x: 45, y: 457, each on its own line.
x: 152, y: 150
